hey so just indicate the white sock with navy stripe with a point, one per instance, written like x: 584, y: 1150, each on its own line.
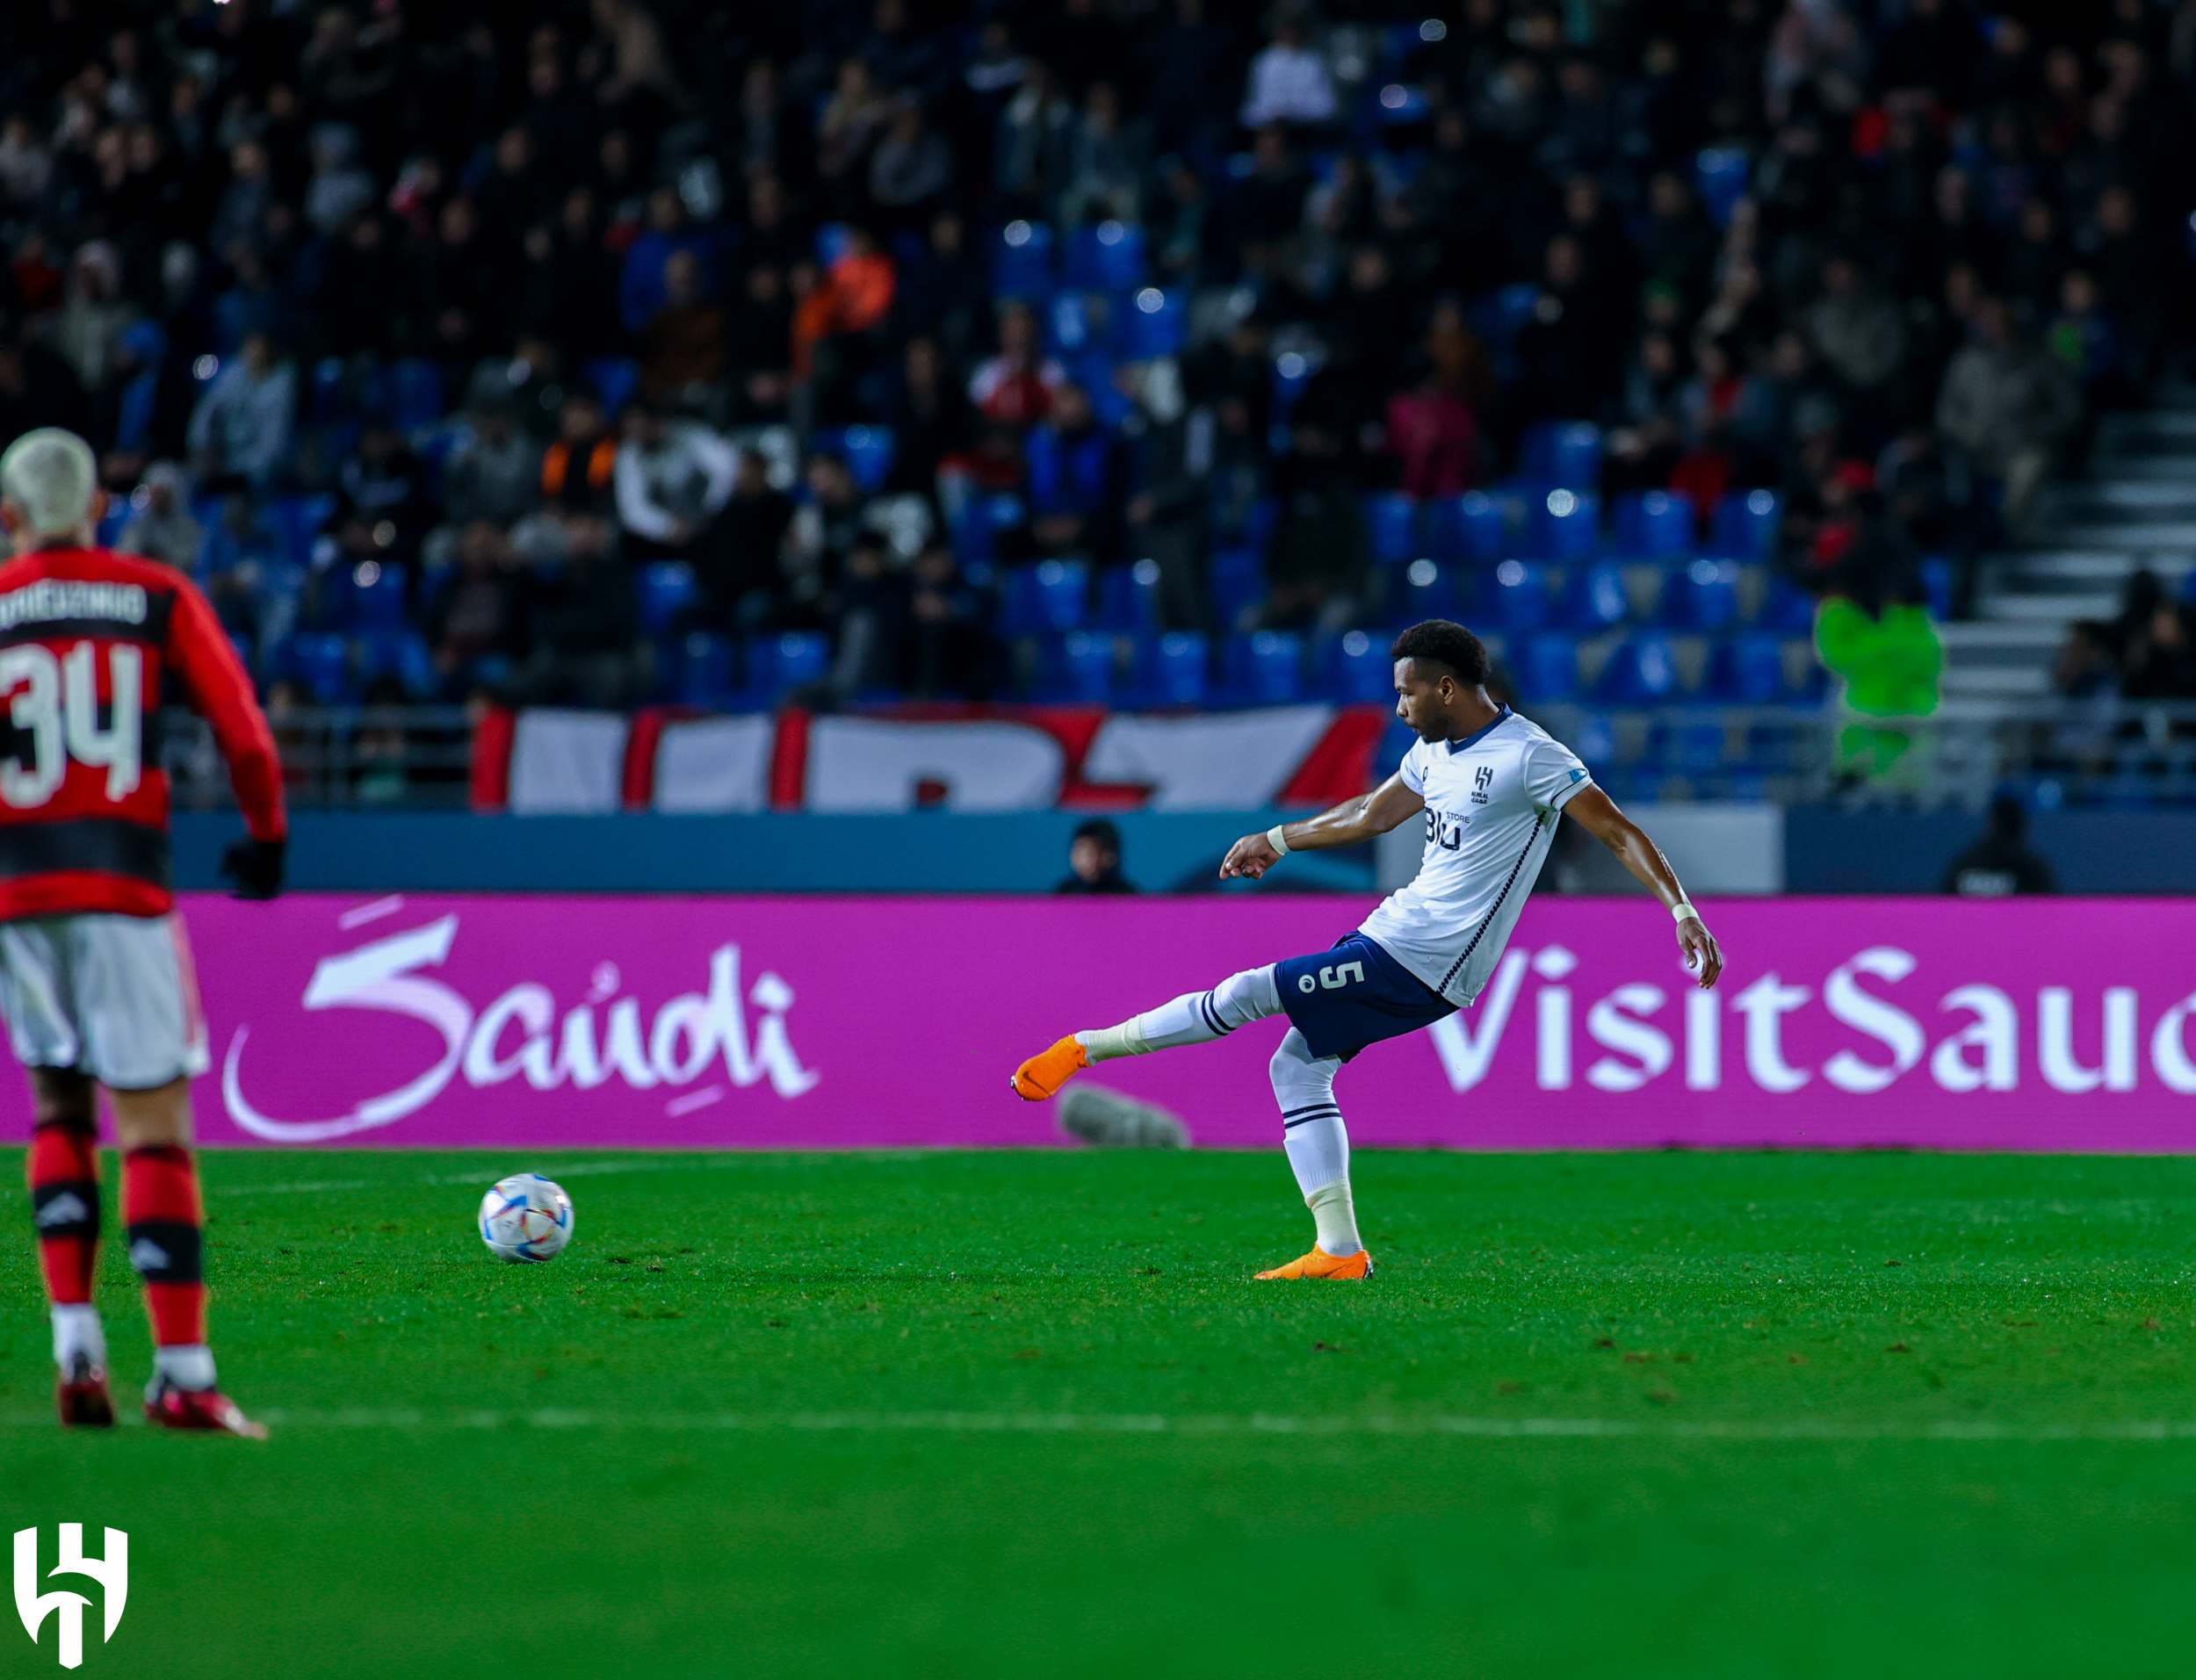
x: 1316, y: 1140
x: 1194, y: 1018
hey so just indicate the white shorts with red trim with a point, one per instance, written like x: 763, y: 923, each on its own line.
x: 115, y: 996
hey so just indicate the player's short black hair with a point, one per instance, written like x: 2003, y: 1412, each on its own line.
x: 1436, y: 641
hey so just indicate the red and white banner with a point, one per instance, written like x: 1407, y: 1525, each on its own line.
x: 961, y: 758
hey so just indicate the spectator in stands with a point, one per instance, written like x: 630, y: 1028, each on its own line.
x: 759, y: 349
x: 474, y: 621
x: 2002, y: 862
x: 494, y: 472
x: 582, y: 626
x: 867, y: 613
x: 2008, y: 404
x: 822, y: 535
x: 673, y: 478
x: 385, y: 481
x: 683, y: 346
x: 1075, y: 481
x: 1318, y: 563
x: 1168, y: 517
x: 241, y: 429
x: 1016, y: 384
x: 738, y: 580
x: 946, y: 651
x: 912, y: 169
x: 1094, y: 860
x: 2158, y: 661
x: 931, y: 419
x: 579, y: 469
x: 160, y: 526
x: 836, y: 325
x: 1289, y: 82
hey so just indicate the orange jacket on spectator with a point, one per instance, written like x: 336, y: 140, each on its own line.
x: 855, y: 292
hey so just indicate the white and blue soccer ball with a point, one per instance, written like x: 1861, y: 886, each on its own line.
x: 526, y: 1217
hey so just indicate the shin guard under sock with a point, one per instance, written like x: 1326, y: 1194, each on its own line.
x: 160, y: 1208
x: 63, y: 1167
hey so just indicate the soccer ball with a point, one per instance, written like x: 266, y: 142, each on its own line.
x: 526, y: 1217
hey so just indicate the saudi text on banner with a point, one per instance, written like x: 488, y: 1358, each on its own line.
x: 537, y: 1024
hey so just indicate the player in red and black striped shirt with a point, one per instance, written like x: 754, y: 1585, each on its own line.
x: 95, y: 983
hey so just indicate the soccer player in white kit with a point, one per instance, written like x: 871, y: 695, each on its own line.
x: 1492, y: 786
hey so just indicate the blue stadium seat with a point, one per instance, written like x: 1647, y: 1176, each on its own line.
x: 378, y: 593
x: 976, y: 530
x: 788, y: 660
x: 1562, y: 455
x: 1693, y: 749
x: 1566, y: 525
x: 1598, y: 601
x: 295, y: 521
x: 415, y: 394
x: 1173, y: 672
x: 329, y: 399
x: 832, y: 238
x: 666, y: 585
x: 1085, y: 668
x: 1655, y: 525
x: 1745, y: 526
x: 613, y: 378
x: 320, y: 661
x: 401, y: 652
x: 1470, y: 527
x: 1703, y: 595
x: 1748, y: 669
x: 1936, y: 578
x: 1719, y: 172
x: 1050, y: 596
x: 1549, y: 670
x: 1238, y: 583
x: 1391, y: 519
x: 868, y: 452
x: 1266, y: 668
x: 1107, y: 257
x: 1359, y: 670
x: 1292, y: 371
x: 1128, y: 598
x: 705, y: 677
x: 1426, y: 592
x: 1788, y: 609
x: 1075, y: 324
x: 1642, y: 672
x: 1156, y: 324
x: 1594, y: 741
x: 1517, y: 600
x: 1021, y: 265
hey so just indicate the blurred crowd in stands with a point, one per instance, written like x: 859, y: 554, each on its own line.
x: 590, y: 353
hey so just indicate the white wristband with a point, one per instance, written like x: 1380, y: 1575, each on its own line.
x: 1682, y: 910
x: 1275, y: 839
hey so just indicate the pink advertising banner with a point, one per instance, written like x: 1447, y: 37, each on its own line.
x: 533, y: 1024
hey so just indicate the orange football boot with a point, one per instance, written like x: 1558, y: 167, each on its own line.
x: 1046, y: 1071
x: 1321, y: 1264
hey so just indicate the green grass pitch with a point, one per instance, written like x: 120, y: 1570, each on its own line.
x: 771, y: 1416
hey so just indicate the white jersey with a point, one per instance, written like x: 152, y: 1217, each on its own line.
x: 1491, y: 802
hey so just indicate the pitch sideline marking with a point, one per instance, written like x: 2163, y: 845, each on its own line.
x: 960, y: 1423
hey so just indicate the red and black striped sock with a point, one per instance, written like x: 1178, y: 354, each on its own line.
x: 63, y: 1165
x: 160, y: 1208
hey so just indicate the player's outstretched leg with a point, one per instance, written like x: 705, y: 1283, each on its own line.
x: 1317, y: 1144
x: 63, y: 1166
x: 1194, y: 1018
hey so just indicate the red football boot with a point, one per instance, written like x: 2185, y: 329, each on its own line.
x: 81, y: 1394
x: 199, y: 1409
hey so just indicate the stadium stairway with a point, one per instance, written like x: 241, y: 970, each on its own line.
x: 2137, y: 507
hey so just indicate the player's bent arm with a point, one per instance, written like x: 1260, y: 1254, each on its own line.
x: 1598, y: 815
x: 1351, y: 823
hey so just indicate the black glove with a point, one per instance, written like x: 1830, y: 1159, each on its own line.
x: 256, y: 866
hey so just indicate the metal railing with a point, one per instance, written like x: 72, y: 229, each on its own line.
x: 2099, y: 751
x: 336, y: 758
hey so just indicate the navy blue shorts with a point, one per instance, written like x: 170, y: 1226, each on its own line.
x: 1354, y: 994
